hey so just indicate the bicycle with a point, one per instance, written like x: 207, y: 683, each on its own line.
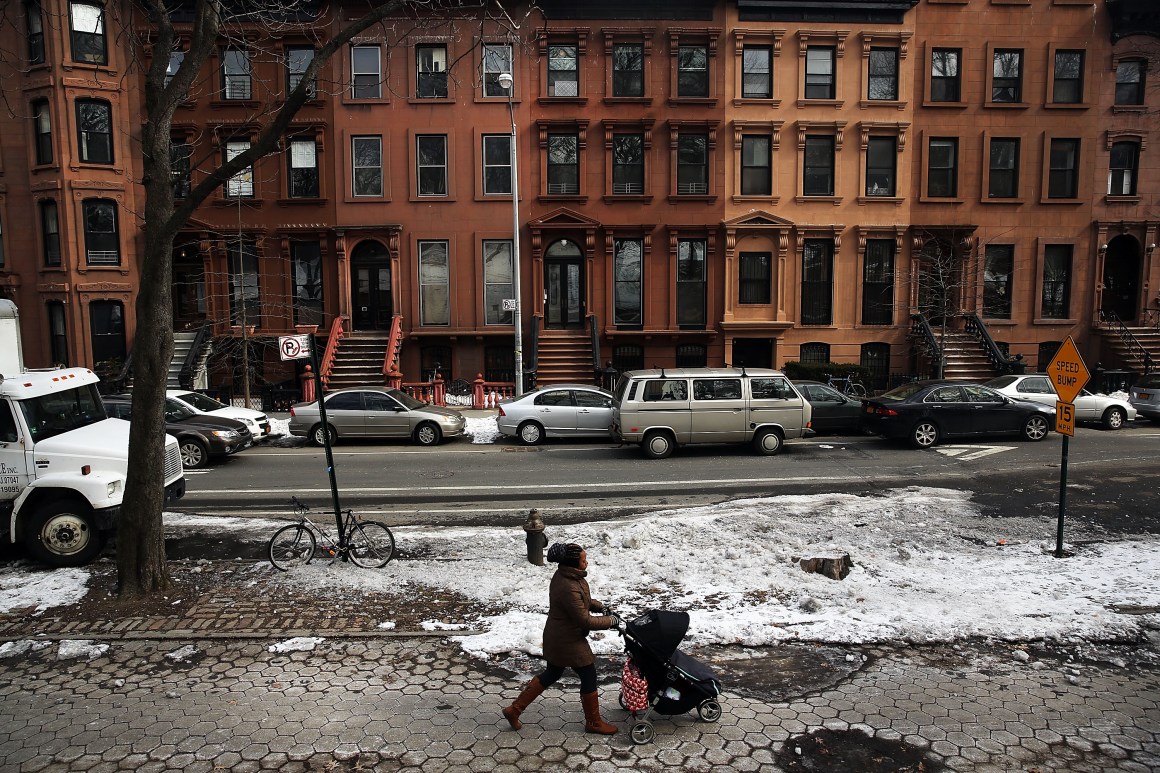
x: 848, y: 385
x: 368, y: 544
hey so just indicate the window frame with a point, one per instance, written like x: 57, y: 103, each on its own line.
x: 833, y: 129
x: 547, y: 129
x: 489, y: 87
x: 84, y: 154
x: 557, y: 165
x: 34, y: 29
x: 97, y: 238
x: 1132, y: 172
x: 1019, y: 86
x: 997, y: 294
x: 1140, y: 87
x: 825, y: 85
x: 698, y: 169
x: 440, y: 88
x: 991, y: 172
x: 960, y: 52
x: 631, y: 288
x: 1044, y: 283
x: 1051, y: 173
x: 355, y: 168
x: 551, y: 81
x: 244, y: 260
x: 360, y: 87
x: 293, y: 74
x: 749, y: 39
x: 1053, y: 79
x: 234, y: 57
x: 232, y: 187
x: 830, y: 245
x: 891, y: 191
x: 634, y: 168
x: 766, y: 94
x: 496, y: 315
x: 693, y: 81
x: 315, y: 300
x: 80, y: 39
x: 314, y: 182
x: 691, y: 288
x: 442, y: 141
x: 955, y: 144
x: 43, y: 151
x: 52, y: 255
x: 835, y: 40
x: 614, y: 86
x: 827, y: 145
x: 759, y: 282
x: 770, y: 130
x: 421, y: 286
x: 763, y: 171
x: 870, y: 241
x: 485, y: 166
x: 893, y: 78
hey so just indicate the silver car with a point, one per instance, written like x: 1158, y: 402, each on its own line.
x: 372, y: 412
x: 1112, y: 412
x: 1146, y: 396
x: 559, y: 411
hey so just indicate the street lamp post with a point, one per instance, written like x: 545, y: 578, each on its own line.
x: 506, y: 81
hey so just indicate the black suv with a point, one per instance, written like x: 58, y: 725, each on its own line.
x: 200, y: 437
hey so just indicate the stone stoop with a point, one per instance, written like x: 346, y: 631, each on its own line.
x: 966, y: 358
x: 359, y: 360
x: 181, y: 346
x: 564, y: 357
x: 1115, y: 354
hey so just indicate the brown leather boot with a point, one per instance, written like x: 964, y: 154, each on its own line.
x: 592, y: 721
x: 531, y: 691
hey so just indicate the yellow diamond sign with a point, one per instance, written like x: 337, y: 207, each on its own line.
x: 1067, y: 371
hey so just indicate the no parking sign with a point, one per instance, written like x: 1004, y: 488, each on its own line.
x: 294, y: 347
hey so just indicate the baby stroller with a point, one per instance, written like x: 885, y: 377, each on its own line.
x: 676, y: 682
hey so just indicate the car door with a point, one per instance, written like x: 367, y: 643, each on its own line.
x: 16, y: 456
x: 664, y: 403
x: 947, y: 406
x: 1037, y: 389
x: 344, y: 412
x: 830, y: 407
x: 774, y: 401
x: 593, y: 412
x: 384, y: 416
x: 554, y: 409
x: 718, y: 410
x: 1087, y: 406
x: 991, y: 412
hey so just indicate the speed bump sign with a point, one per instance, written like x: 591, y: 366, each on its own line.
x: 1067, y: 371
x: 1065, y: 419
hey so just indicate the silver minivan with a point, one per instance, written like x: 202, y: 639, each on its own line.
x: 665, y: 408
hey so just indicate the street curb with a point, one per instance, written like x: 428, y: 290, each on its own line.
x: 189, y: 635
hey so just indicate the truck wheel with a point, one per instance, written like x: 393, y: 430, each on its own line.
x: 768, y: 442
x: 194, y: 454
x: 658, y: 445
x: 62, y: 534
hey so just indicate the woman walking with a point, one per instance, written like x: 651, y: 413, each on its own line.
x: 570, y: 618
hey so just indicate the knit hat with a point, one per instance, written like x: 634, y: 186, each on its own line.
x: 565, y: 554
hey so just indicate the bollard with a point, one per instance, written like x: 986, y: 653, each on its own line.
x: 536, y: 540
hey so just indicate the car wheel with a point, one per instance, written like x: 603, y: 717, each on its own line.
x: 1114, y: 418
x: 924, y: 435
x: 319, y: 439
x: 530, y: 433
x: 427, y: 434
x: 768, y: 442
x: 658, y: 445
x: 62, y: 534
x: 1035, y: 428
x: 194, y: 454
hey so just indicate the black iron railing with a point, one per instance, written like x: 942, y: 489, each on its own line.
x: 594, y: 333
x: 1002, y: 363
x: 531, y: 362
x: 921, y: 331
x: 186, y: 375
x: 1137, y: 354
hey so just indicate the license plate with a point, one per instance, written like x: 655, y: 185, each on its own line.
x: 869, y: 409
x: 1145, y: 396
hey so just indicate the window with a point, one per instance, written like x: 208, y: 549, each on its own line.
x: 755, y: 277
x: 497, y: 282
x: 817, y: 282
x: 434, y: 284
x: 57, y: 333
x: 95, y: 131
x: 1068, y: 84
x: 497, y: 164
x: 881, y: 159
x: 497, y: 59
x: 693, y: 71
x: 563, y: 72
x: 1056, y: 303
x: 943, y: 168
x: 757, y: 72
x: 756, y: 166
x: 1046, y: 353
x: 878, y: 282
x: 945, y: 79
x: 102, y: 245
x: 692, y: 164
x: 1130, y: 82
x: 1062, y: 178
x: 307, y: 259
x: 436, y: 361
x: 563, y: 164
x: 628, y: 70
x: 236, y: 74
x: 180, y: 154
x: 820, y: 82
x: 87, y: 23
x: 692, y: 356
x: 367, y: 162
x: 814, y: 353
x: 366, y: 73
x: 998, y: 263
x: 241, y: 185
x: 50, y: 233
x: 432, y: 164
x: 245, y: 292
x: 691, y: 283
x: 499, y: 363
x: 627, y: 263
x: 628, y: 357
x: 107, y: 323
x: 716, y: 389
x: 1125, y: 160
x: 431, y: 72
x: 883, y: 74
x: 298, y: 58
x: 1007, y: 76
x: 628, y: 164
x: 875, y: 358
x: 34, y: 26
x: 42, y: 127
x: 303, y: 169
x: 176, y: 57
x: 1004, y: 170
x: 818, y: 175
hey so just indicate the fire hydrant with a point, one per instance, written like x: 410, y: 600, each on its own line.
x: 535, y: 539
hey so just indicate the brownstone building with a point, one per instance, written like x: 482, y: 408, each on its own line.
x: 741, y: 181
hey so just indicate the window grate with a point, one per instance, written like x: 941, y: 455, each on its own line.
x: 686, y: 189
x: 628, y: 188
x: 559, y: 189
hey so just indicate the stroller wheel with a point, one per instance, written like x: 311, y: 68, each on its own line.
x: 643, y: 732
x: 709, y: 710
x: 620, y: 699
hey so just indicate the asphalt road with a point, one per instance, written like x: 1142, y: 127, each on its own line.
x: 1112, y: 476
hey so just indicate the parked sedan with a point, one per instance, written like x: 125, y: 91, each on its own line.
x: 557, y: 411
x: 256, y: 421
x: 925, y: 412
x: 1146, y: 396
x: 1109, y: 411
x: 199, y: 436
x: 833, y: 412
x: 366, y: 412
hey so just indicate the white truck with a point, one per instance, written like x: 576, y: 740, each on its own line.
x: 62, y: 461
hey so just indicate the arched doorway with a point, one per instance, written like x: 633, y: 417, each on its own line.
x: 563, y: 285
x: 370, y: 287
x: 1121, y: 293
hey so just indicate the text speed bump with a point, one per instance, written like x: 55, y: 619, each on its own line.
x: 1068, y: 373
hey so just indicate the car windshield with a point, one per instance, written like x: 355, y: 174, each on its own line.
x: 51, y: 415
x: 175, y: 410
x: 410, y: 403
x: 201, y: 402
x: 901, y: 392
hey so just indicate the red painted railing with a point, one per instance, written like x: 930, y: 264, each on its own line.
x: 336, y: 334
x: 433, y: 392
x: 394, y: 343
x: 487, y: 394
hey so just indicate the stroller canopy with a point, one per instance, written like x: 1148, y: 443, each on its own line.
x: 660, y: 631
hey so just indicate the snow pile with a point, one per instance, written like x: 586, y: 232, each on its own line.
x: 297, y: 644
x: 482, y: 429
x: 41, y: 590
x: 73, y: 649
x: 21, y: 647
x: 182, y: 654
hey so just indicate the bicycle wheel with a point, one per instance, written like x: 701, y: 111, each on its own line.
x: 371, y: 544
x: 291, y: 546
x: 854, y: 389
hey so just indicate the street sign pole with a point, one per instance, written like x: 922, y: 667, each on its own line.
x: 326, y: 443
x: 1068, y: 375
x: 1062, y: 500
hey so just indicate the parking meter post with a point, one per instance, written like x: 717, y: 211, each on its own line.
x: 326, y: 443
x: 1062, y: 500
x: 535, y: 539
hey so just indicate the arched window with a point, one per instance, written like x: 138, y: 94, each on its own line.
x: 628, y: 357
x: 814, y: 353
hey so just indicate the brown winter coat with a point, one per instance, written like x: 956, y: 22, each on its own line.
x: 570, y: 606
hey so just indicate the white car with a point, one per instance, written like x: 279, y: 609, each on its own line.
x: 1112, y: 412
x: 257, y: 422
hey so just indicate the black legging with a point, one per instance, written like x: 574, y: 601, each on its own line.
x: 586, y: 673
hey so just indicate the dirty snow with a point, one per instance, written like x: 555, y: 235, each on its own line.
x: 297, y: 644
x: 182, y: 654
x: 74, y: 649
x: 482, y: 429
x: 20, y: 647
x: 40, y: 589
